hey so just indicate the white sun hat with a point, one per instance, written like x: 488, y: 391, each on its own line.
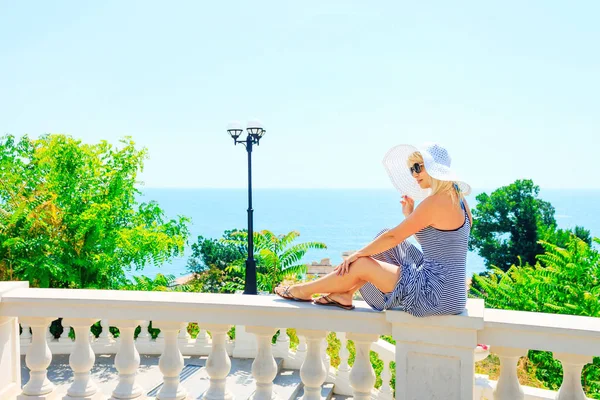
x: 437, y: 164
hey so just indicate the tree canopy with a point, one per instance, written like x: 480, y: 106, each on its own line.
x: 70, y: 217
x: 509, y: 223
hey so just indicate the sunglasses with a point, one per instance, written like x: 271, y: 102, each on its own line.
x: 417, y: 168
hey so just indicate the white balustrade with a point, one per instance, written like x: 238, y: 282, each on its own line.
x: 82, y: 360
x: 127, y: 362
x: 572, y: 364
x: 171, y: 361
x: 312, y: 372
x: 38, y: 359
x: 218, y: 363
x: 264, y: 367
x: 434, y: 356
x: 362, y: 375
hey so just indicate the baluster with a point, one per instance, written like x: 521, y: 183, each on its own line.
x: 386, y: 392
x: 573, y: 364
x: 105, y: 337
x: 202, y: 342
x: 313, y: 372
x: 64, y: 336
x: 202, y: 339
x: 218, y: 364
x: 508, y: 387
x: 344, y: 368
x: 362, y: 375
x: 184, y: 334
x: 301, y: 349
x: 171, y: 361
x: 264, y: 367
x: 326, y: 358
x: 49, y: 336
x: 38, y: 359
x: 82, y: 360
x: 282, y: 345
x: 342, y: 377
x: 144, y: 335
x: 26, y: 334
x: 127, y: 362
x: 296, y: 358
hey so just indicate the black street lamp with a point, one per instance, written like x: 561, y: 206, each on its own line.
x: 255, y: 133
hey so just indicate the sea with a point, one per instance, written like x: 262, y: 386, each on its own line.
x: 343, y: 219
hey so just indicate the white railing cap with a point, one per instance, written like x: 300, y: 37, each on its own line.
x: 470, y: 318
x: 541, y: 331
x: 233, y: 309
x: 6, y: 287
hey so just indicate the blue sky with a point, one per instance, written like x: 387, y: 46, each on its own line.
x: 511, y: 88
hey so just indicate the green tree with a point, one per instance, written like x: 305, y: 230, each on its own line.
x: 566, y: 281
x: 277, y: 258
x: 69, y: 215
x: 210, y: 259
x: 208, y: 252
x: 509, y: 223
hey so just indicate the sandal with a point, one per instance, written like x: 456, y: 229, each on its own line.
x: 288, y: 295
x: 332, y: 302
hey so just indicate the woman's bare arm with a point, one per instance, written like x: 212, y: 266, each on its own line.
x: 421, y: 217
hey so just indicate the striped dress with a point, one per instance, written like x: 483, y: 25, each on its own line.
x: 432, y: 282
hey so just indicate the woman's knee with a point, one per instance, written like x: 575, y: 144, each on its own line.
x: 364, y: 267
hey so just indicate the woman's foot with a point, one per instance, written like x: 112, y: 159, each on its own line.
x: 344, y: 299
x: 292, y: 292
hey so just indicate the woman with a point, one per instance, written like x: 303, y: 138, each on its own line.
x: 390, y: 272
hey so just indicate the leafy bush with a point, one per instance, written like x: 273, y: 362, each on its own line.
x: 566, y: 281
x: 219, y: 265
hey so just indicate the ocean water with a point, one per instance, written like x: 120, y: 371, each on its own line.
x: 343, y: 219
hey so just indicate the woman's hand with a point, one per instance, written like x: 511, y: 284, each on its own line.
x: 344, y: 267
x: 408, y: 205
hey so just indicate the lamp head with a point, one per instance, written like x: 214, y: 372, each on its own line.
x: 234, y: 129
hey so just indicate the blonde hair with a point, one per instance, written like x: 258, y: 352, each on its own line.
x: 437, y: 186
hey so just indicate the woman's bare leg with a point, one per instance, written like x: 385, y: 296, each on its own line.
x: 343, y: 298
x: 366, y: 269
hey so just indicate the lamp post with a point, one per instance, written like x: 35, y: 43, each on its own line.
x: 255, y: 133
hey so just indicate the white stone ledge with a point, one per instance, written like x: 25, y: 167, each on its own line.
x: 538, y: 331
x: 232, y: 309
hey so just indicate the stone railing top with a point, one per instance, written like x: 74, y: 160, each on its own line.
x: 543, y: 322
x: 6, y: 287
x: 470, y: 318
x: 540, y: 331
x: 232, y: 309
